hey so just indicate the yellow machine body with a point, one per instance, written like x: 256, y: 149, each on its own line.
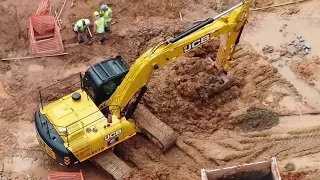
x: 80, y: 124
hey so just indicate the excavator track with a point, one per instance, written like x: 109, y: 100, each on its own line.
x: 156, y: 130
x: 109, y: 162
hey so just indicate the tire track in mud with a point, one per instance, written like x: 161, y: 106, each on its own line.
x: 229, y: 148
x: 192, y: 152
x: 151, y: 163
x: 257, y: 146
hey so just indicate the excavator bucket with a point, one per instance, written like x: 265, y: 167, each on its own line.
x: 222, y: 74
x: 265, y: 170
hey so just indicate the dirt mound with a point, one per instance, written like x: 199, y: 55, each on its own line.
x: 187, y: 94
x: 257, y: 119
x: 190, y: 91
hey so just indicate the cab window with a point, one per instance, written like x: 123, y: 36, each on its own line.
x: 88, y: 87
x: 109, y: 87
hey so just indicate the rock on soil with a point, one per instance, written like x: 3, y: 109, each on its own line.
x: 267, y: 49
x: 290, y: 167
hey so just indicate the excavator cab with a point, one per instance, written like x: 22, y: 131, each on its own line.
x: 102, y: 79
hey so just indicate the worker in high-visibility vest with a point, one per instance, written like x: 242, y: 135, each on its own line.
x: 106, y: 13
x: 81, y: 29
x: 99, y: 26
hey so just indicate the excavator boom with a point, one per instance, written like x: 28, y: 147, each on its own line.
x: 166, y: 52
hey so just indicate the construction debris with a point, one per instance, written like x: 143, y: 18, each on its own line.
x: 190, y: 21
x: 307, y: 46
x: 58, y: 22
x: 61, y: 9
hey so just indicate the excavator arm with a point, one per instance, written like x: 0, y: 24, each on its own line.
x: 228, y: 25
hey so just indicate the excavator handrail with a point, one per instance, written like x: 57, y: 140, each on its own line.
x: 66, y: 135
x: 60, y: 82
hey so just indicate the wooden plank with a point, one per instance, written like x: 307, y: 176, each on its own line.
x: 47, y: 36
x: 89, y: 31
x: 32, y: 57
x: 277, y: 5
x: 61, y: 9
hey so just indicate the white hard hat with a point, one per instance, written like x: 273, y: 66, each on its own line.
x: 79, y: 24
x: 104, y: 7
x: 87, y: 21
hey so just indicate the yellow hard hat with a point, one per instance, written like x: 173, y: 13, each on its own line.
x: 96, y: 13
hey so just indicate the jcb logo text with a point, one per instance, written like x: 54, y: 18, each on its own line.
x: 113, y: 135
x: 196, y: 43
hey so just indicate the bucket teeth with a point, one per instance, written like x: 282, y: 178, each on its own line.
x: 164, y: 134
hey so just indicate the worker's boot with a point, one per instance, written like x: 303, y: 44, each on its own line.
x: 89, y: 42
x: 101, y: 42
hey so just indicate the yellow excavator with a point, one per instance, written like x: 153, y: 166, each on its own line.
x: 105, y: 110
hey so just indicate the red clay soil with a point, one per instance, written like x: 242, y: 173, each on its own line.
x: 307, y: 69
x: 292, y: 176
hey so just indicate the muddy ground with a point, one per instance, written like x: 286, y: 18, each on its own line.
x: 270, y: 108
